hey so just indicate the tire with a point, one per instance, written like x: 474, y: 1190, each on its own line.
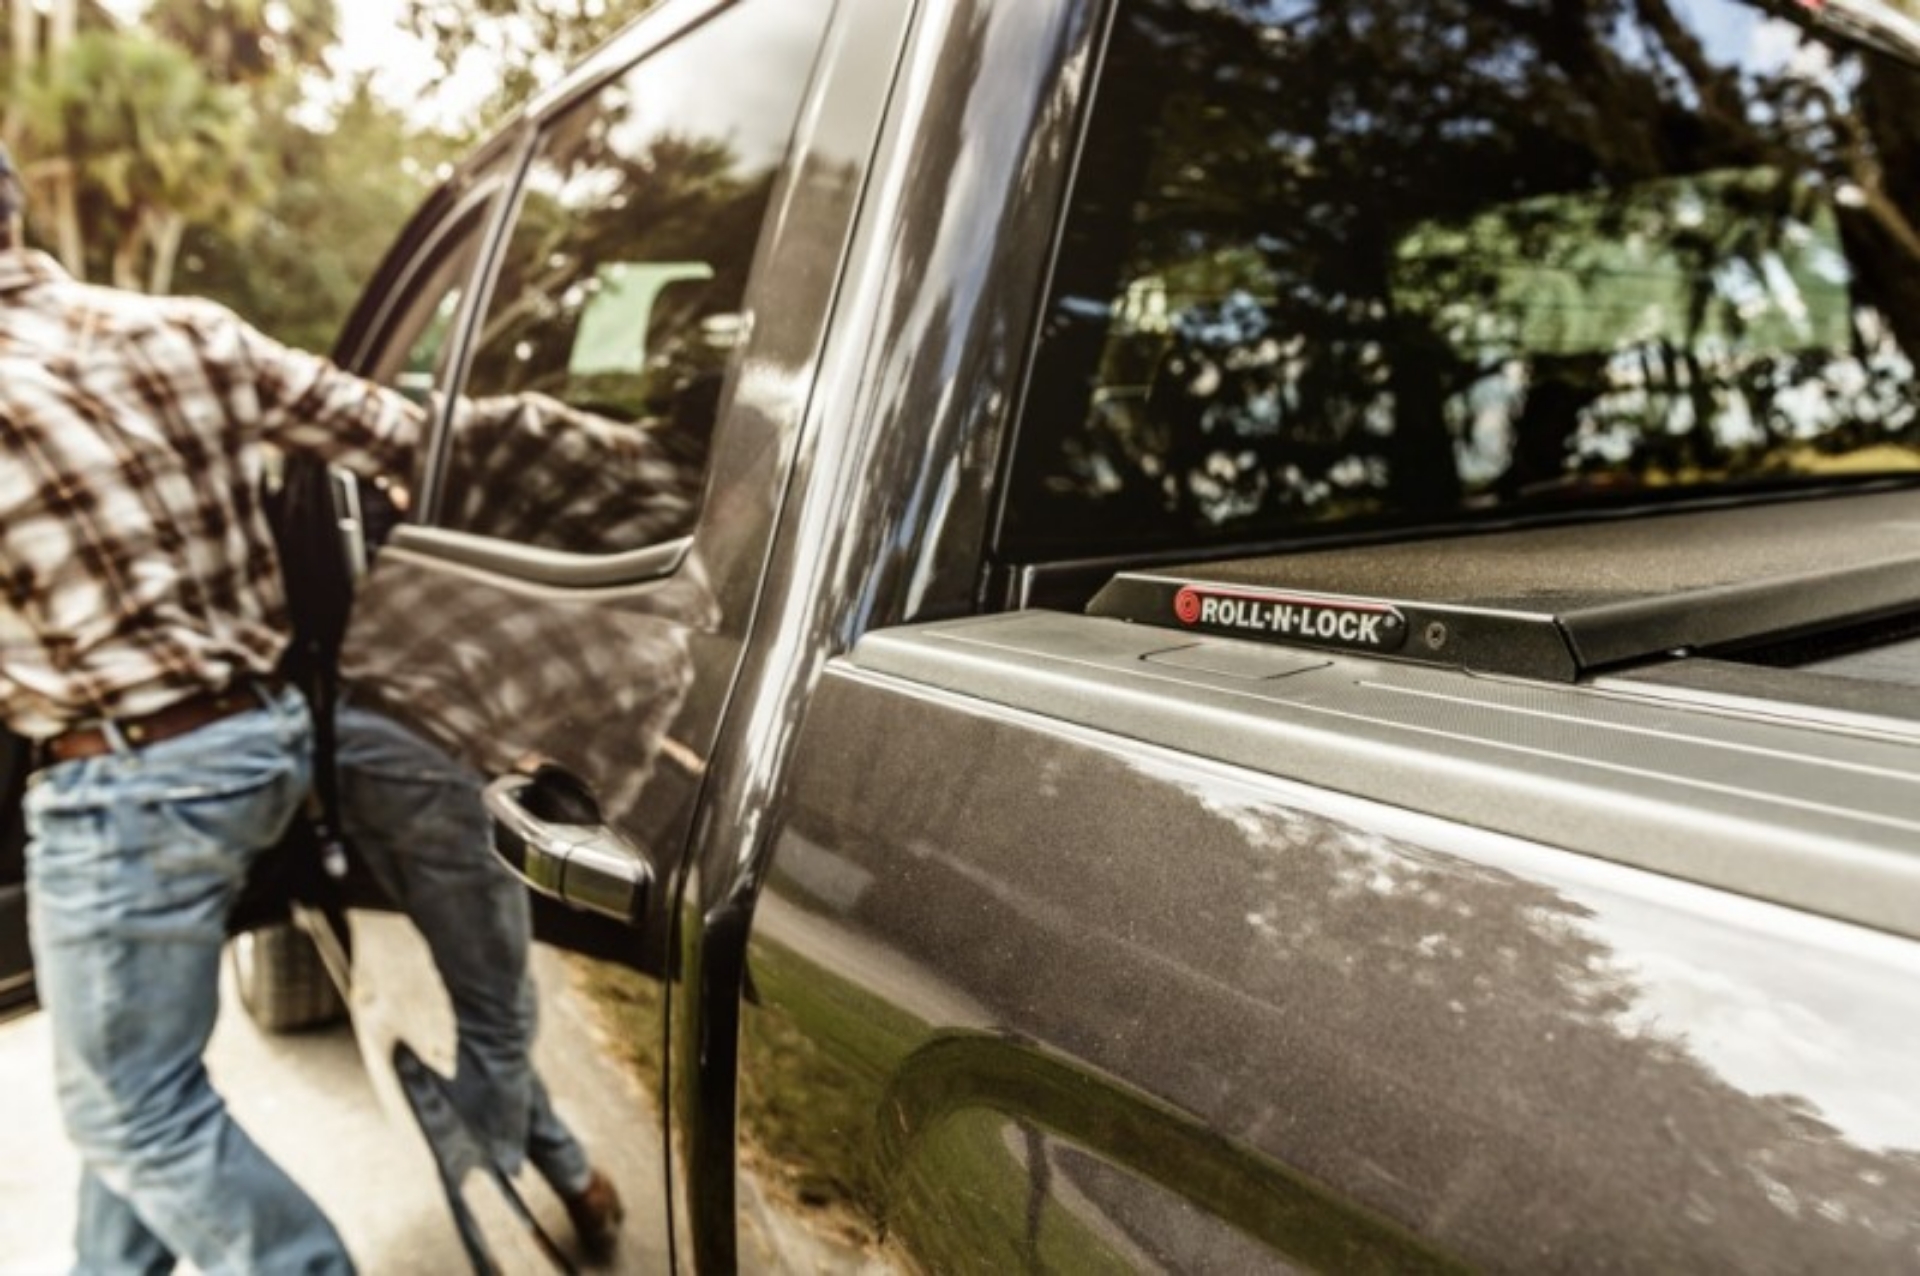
x: 282, y: 982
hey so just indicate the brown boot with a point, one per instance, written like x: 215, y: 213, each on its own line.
x: 596, y: 1213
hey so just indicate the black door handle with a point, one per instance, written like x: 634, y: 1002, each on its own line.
x: 586, y: 865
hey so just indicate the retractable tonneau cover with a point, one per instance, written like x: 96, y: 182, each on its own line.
x: 1560, y: 602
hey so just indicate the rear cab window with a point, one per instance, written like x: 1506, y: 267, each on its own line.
x: 1332, y: 270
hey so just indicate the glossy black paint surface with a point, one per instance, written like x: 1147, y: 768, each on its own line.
x: 894, y: 476
x: 1049, y: 964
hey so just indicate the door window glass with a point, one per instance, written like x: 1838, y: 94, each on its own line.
x: 413, y: 350
x: 599, y: 362
x: 414, y: 359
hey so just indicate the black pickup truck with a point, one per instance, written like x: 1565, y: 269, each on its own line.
x: 1192, y: 635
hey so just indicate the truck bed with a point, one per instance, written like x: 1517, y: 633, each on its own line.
x: 1778, y: 767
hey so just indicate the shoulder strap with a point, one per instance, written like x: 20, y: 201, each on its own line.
x: 319, y: 585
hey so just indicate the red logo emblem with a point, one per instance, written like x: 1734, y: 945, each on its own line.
x: 1186, y: 605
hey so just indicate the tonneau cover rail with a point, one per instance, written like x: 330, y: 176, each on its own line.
x: 1560, y: 603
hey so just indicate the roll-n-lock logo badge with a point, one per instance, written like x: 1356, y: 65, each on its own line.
x: 1323, y: 622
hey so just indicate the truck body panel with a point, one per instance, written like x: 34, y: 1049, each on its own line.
x: 1206, y: 975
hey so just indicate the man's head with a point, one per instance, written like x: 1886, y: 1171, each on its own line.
x: 13, y: 200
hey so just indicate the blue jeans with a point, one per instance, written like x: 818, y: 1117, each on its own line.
x: 133, y: 860
x: 415, y: 817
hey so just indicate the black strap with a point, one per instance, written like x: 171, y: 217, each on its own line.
x: 319, y: 584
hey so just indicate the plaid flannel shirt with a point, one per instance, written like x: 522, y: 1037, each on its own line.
x: 527, y: 467
x: 137, y: 561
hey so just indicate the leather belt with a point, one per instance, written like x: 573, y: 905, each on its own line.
x: 176, y: 719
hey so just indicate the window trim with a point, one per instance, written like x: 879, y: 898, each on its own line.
x: 516, y: 156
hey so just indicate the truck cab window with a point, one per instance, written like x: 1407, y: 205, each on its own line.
x: 599, y: 361
x: 1333, y: 268
x: 414, y: 355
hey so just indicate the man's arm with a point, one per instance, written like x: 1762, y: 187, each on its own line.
x: 306, y: 404
x: 534, y: 469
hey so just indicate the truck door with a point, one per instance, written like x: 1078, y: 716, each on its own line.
x: 544, y: 646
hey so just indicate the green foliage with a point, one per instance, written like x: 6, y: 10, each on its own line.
x: 524, y: 43
x: 180, y: 151
x: 147, y: 135
x: 338, y: 196
x: 247, y: 41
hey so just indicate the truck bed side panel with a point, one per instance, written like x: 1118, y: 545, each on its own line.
x: 1019, y: 988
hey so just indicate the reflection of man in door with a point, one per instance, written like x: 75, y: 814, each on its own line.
x: 414, y: 817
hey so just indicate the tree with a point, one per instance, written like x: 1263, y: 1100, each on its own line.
x: 182, y: 143
x: 247, y: 41
x: 337, y: 194
x: 523, y: 43
x: 336, y: 187
x: 39, y: 33
x: 151, y: 144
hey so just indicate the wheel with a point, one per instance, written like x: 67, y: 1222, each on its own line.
x: 281, y: 980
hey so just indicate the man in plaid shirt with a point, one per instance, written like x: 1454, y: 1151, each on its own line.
x: 142, y: 622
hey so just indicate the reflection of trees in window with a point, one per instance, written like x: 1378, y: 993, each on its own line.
x: 620, y: 297
x: 678, y: 200
x: 1676, y: 327
x: 1375, y: 260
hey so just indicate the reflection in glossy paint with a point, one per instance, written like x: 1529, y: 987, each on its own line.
x: 463, y: 1163
x: 503, y: 673
x: 1438, y: 1029
x: 1772, y: 1023
x: 1792, y: 1037
x: 1772, y: 1001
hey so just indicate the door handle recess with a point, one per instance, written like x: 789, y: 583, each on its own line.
x: 586, y: 865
